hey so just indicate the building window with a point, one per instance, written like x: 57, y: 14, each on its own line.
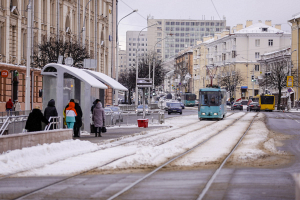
x: 172, y: 23
x: 142, y: 39
x: 233, y: 54
x: 257, y: 42
x: 264, y: 29
x: 182, y: 34
x: 270, y: 42
x: 202, y: 29
x: 187, y: 23
x: 257, y: 68
x: 167, y: 28
x: 187, y: 29
x: 158, y: 50
x: 134, y: 39
x: 202, y: 23
x: 129, y: 49
x: 159, y: 34
x: 133, y: 44
x: 212, y: 24
x: 217, y: 23
x: 159, y: 28
x: 177, y: 23
x: 207, y: 23
x: 129, y: 54
x: 176, y: 34
x: 129, y: 39
x: 182, y: 29
x: 257, y: 55
x: 177, y: 29
x: 167, y: 23
x: 207, y: 29
x: 159, y: 22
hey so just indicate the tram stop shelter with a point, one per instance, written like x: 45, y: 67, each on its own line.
x: 62, y: 83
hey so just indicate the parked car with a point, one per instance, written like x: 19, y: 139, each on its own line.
x: 108, y: 112
x: 196, y: 102
x: 253, y: 106
x: 117, y: 113
x: 237, y: 106
x: 244, y: 102
x: 139, y: 110
x: 174, y: 108
x: 167, y: 105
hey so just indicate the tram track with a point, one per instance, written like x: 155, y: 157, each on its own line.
x: 91, y: 170
x: 126, y: 189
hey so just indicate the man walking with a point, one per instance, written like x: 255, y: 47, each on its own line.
x: 9, y: 106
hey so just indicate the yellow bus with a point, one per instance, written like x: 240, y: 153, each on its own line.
x: 266, y: 102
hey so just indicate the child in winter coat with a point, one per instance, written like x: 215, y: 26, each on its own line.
x: 70, y: 115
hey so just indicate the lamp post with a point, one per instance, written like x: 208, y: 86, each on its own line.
x: 136, y: 66
x: 153, y: 86
x: 117, y: 49
x: 289, y: 103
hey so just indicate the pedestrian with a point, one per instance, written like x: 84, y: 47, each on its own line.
x: 9, y: 106
x: 17, y: 107
x: 94, y: 104
x: 70, y: 115
x: 64, y: 112
x: 98, y: 118
x: 35, y: 119
x: 78, y: 119
x: 51, y: 111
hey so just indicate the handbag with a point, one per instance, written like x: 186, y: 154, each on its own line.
x: 103, y: 129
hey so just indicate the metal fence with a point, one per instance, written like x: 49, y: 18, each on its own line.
x: 12, y: 124
x: 14, y: 113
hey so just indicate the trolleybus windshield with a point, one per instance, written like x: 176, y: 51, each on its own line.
x: 209, y: 98
x: 267, y: 99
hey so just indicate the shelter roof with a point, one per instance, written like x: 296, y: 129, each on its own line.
x: 78, y: 73
x: 107, y: 80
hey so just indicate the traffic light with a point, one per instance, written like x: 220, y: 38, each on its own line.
x: 153, y: 92
x: 252, y: 78
x: 15, y: 73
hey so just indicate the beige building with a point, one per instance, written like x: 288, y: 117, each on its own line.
x: 242, y: 48
x: 295, y: 47
x: 52, y: 18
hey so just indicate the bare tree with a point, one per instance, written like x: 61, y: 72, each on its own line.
x: 128, y: 80
x: 276, y: 78
x: 229, y: 79
x: 48, y: 51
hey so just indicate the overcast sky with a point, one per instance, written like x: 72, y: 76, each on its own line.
x: 235, y: 11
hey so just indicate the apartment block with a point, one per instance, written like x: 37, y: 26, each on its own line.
x: 136, y: 47
x: 122, y: 61
x: 170, y: 36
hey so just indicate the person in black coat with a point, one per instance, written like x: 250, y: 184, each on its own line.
x: 50, y: 111
x: 78, y: 119
x: 34, y: 120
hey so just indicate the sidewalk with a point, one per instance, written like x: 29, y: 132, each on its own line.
x: 117, y: 132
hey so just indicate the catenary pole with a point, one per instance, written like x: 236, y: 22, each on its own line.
x: 29, y: 27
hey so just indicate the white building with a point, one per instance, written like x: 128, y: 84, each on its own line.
x: 122, y: 61
x: 133, y: 39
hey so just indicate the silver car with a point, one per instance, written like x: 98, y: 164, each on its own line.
x: 139, y: 110
x: 117, y: 113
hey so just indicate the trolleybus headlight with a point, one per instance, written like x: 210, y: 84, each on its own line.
x: 215, y: 113
x: 203, y: 113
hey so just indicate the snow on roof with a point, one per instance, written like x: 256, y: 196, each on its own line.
x: 78, y: 73
x: 296, y: 16
x: 106, y: 79
x: 209, y: 41
x: 258, y: 28
x: 272, y: 52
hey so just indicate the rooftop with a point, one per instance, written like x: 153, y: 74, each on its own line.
x: 259, y: 28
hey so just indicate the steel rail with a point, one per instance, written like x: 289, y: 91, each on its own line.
x: 207, y: 186
x: 171, y: 160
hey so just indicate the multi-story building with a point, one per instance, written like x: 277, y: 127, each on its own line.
x: 122, y: 61
x: 136, y: 47
x: 296, y: 47
x: 183, y: 71
x: 241, y: 50
x: 50, y: 19
x: 176, y: 35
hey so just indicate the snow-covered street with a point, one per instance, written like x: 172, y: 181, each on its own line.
x: 149, y: 149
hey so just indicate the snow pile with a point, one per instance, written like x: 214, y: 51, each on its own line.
x: 37, y: 156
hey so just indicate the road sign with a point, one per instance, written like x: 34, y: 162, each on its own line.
x: 289, y: 82
x: 4, y: 73
x: 144, y: 82
x: 290, y: 90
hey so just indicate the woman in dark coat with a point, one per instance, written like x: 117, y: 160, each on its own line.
x: 98, y: 118
x: 50, y: 111
x: 34, y: 120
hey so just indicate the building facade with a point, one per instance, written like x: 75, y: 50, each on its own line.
x: 52, y: 18
x: 122, y: 61
x: 240, y: 50
x: 133, y: 51
x: 296, y: 46
x: 170, y: 36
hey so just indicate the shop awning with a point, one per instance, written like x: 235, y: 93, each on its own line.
x: 244, y: 87
x: 54, y: 68
x: 107, y: 80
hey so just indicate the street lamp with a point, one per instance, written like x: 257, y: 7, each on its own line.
x: 154, y: 63
x: 136, y: 65
x: 117, y: 60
